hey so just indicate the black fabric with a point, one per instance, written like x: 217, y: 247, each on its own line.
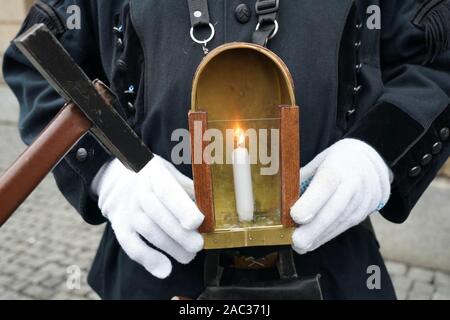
x: 159, y: 58
x: 399, y: 129
x: 406, y: 189
x: 286, y: 265
x: 213, y: 268
x: 217, y: 261
x: 402, y: 130
x: 414, y: 96
x: 44, y: 12
x: 292, y: 289
x: 287, y: 287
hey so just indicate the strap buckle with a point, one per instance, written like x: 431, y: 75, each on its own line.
x: 273, y: 33
x: 267, y: 6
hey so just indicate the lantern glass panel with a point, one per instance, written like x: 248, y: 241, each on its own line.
x: 261, y: 138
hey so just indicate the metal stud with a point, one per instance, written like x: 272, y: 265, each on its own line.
x: 81, y: 155
x: 119, y: 43
x: 118, y: 31
x: 130, y: 90
x: 357, y: 89
x: 358, y: 67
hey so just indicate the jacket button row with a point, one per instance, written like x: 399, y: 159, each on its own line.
x: 358, y: 66
x: 426, y: 159
x: 81, y: 155
x: 118, y: 32
x: 122, y: 67
x: 131, y: 91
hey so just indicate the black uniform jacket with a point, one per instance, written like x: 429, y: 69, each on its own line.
x: 388, y: 86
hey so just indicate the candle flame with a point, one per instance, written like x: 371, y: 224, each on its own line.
x: 240, y: 137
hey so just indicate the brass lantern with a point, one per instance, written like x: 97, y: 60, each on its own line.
x: 237, y: 87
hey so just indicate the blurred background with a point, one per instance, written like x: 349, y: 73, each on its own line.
x: 46, y: 249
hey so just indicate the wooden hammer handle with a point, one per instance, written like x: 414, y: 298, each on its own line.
x: 17, y: 183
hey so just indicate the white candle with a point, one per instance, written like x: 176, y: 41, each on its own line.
x: 243, y: 188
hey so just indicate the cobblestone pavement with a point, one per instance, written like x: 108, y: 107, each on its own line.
x: 46, y: 245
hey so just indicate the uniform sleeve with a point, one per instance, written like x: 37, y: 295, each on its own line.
x: 409, y: 125
x: 39, y: 103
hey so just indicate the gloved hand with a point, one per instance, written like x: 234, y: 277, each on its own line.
x: 340, y: 188
x: 155, y: 204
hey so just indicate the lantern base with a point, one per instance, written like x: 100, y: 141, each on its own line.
x: 248, y: 237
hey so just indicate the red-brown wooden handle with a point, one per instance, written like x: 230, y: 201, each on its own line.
x: 290, y: 161
x: 40, y: 158
x: 201, y: 171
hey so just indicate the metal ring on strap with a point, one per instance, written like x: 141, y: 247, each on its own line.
x: 275, y: 31
x: 205, y: 41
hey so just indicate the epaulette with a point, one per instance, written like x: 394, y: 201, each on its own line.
x: 433, y: 16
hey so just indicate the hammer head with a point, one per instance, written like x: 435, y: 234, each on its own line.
x: 94, y: 99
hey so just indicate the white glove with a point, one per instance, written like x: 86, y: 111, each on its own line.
x: 155, y: 204
x: 344, y: 184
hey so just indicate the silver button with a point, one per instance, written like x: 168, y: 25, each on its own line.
x: 81, y: 155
